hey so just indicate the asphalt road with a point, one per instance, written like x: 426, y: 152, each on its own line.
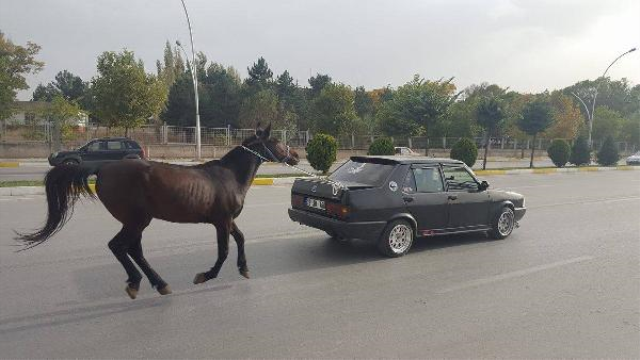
x: 38, y: 170
x: 565, y: 284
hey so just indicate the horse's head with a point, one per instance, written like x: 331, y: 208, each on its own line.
x: 270, y: 148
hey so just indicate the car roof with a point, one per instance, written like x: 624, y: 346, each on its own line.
x: 113, y: 138
x: 405, y: 160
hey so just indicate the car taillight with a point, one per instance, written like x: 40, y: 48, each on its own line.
x: 296, y: 201
x: 144, y: 154
x: 337, y: 210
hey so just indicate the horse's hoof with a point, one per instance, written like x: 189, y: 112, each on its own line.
x: 245, y: 273
x: 200, y: 278
x: 165, y: 290
x: 133, y: 293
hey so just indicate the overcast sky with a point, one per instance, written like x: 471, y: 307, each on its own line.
x: 528, y: 45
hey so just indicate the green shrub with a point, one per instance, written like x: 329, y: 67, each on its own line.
x: 559, y: 152
x: 321, y: 152
x: 580, y: 153
x: 608, y: 154
x: 381, y: 146
x: 465, y: 150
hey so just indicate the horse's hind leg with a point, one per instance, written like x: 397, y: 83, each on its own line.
x: 242, y: 259
x: 119, y: 246
x: 223, y: 251
x: 135, y: 251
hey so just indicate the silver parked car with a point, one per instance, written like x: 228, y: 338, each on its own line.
x: 634, y: 159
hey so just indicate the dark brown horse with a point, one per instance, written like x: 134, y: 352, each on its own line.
x: 136, y: 191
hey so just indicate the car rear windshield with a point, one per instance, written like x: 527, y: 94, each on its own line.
x: 363, y: 173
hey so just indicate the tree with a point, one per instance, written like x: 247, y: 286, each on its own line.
x: 381, y: 146
x: 220, y: 96
x: 45, y: 93
x: 180, y: 106
x: 536, y: 118
x: 15, y: 62
x: 608, y: 154
x: 60, y: 111
x: 321, y: 152
x: 261, y: 107
x: 416, y: 107
x: 559, y: 152
x: 606, y: 122
x: 490, y: 116
x: 365, y: 110
x: 567, y: 118
x: 318, y: 83
x: 125, y: 95
x: 465, y: 150
x: 332, y: 111
x: 631, y: 129
x: 260, y: 76
x: 66, y: 84
x: 580, y: 153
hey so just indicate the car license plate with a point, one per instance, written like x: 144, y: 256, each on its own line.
x: 315, y: 203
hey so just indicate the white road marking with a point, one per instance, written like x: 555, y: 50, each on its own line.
x: 513, y: 274
x: 15, y: 198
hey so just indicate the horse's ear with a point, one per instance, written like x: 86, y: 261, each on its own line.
x: 267, y: 132
x: 258, y: 130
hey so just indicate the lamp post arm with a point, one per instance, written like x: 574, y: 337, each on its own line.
x: 586, y: 108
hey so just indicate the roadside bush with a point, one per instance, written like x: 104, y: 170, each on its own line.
x: 559, y: 152
x: 580, y: 153
x: 381, y: 146
x: 321, y: 152
x: 465, y: 150
x: 608, y: 154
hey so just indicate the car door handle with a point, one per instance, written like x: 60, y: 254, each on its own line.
x: 452, y: 197
x: 407, y: 199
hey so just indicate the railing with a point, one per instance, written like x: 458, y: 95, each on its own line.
x: 181, y: 135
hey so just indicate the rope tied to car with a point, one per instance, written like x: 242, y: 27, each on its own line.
x: 284, y: 162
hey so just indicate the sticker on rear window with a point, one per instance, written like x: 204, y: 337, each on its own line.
x: 393, y: 186
x: 356, y: 169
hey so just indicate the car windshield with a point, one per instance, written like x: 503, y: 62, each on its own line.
x: 362, y: 172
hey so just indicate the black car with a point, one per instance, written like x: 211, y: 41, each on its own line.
x: 392, y: 200
x: 99, y: 151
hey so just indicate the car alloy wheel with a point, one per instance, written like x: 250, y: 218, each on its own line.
x: 396, y: 239
x: 400, y: 238
x: 504, y: 223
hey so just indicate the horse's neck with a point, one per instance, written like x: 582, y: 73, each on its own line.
x: 243, y: 164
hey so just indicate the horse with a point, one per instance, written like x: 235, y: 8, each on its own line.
x: 137, y: 191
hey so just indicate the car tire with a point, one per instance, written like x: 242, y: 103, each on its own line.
x: 503, y: 224
x: 70, y: 162
x: 396, y: 239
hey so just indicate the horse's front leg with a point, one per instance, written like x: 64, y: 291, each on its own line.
x: 242, y: 259
x: 223, y: 251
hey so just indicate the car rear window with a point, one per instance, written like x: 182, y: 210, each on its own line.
x: 132, y: 145
x: 114, y: 145
x: 363, y: 173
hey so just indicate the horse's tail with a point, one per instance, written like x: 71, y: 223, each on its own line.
x: 63, y: 184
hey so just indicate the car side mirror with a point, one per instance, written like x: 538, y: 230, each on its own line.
x: 483, y: 186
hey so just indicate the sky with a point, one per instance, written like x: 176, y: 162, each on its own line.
x: 526, y: 45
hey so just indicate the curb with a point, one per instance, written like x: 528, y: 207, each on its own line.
x: 9, y: 164
x: 545, y: 171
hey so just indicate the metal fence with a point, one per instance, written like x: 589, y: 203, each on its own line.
x: 181, y: 135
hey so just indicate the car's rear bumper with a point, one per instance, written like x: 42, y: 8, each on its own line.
x: 369, y: 230
x: 519, y: 213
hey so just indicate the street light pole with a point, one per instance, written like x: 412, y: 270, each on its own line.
x: 590, y: 112
x: 194, y: 75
